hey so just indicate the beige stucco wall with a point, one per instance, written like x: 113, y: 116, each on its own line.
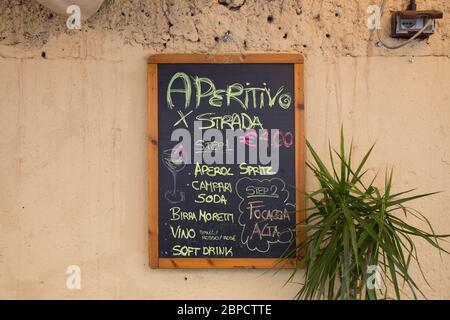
x: 73, y: 177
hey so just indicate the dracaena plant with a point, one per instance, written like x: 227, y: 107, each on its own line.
x: 356, y: 229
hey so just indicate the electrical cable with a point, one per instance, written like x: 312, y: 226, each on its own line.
x: 414, y: 37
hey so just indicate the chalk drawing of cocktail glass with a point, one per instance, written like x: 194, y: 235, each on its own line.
x: 175, y: 161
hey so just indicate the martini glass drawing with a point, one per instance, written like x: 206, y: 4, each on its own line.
x: 174, y: 161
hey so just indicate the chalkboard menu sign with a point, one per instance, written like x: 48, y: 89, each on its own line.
x: 226, y: 160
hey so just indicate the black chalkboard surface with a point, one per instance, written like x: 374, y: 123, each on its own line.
x: 227, y: 150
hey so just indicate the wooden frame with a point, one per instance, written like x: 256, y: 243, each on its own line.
x: 264, y: 263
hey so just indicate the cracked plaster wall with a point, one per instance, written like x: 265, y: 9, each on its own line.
x: 73, y: 131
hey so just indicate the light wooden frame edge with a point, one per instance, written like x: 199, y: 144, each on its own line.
x: 198, y: 263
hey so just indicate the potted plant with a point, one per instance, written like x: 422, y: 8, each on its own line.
x: 357, y: 233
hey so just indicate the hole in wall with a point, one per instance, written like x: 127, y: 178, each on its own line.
x: 226, y: 36
x: 230, y: 5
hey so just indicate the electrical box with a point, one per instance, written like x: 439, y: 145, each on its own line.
x: 406, y: 24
